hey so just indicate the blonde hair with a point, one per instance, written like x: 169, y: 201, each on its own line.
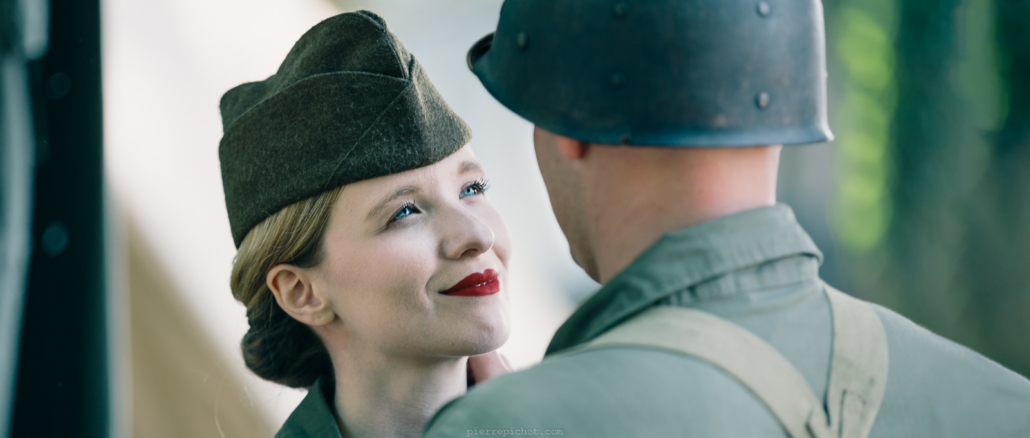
x: 277, y: 347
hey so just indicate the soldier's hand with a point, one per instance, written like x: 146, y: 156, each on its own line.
x: 487, y: 366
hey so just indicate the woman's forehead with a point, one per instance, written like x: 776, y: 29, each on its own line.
x: 364, y: 195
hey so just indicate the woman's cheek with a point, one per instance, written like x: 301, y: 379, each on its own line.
x: 406, y: 260
x: 502, y: 235
x: 379, y: 265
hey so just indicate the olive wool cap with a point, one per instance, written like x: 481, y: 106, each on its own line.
x: 349, y: 103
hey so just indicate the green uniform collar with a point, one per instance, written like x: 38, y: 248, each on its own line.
x: 685, y: 258
x: 313, y: 418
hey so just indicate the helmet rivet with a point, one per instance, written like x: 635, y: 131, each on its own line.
x: 620, y: 9
x: 625, y: 138
x: 617, y: 80
x: 762, y: 100
x: 763, y: 9
x: 522, y: 40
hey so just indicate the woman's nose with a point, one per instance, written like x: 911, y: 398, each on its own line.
x: 465, y: 235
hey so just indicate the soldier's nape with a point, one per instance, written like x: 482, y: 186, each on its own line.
x: 613, y: 202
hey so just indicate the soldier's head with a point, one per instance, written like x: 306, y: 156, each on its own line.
x: 669, y: 111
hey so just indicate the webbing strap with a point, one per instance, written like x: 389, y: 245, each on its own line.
x: 858, y: 371
x: 857, y: 375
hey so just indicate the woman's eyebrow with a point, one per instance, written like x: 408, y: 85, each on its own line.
x: 469, y: 166
x: 403, y: 191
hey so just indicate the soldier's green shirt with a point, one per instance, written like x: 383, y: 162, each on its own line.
x: 758, y: 269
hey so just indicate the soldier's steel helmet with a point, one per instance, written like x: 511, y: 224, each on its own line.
x: 662, y: 72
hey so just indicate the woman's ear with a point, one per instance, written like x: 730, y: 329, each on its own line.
x: 573, y: 149
x: 292, y: 288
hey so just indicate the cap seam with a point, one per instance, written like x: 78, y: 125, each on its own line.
x: 320, y: 75
x: 400, y: 62
x: 385, y: 31
x: 362, y: 136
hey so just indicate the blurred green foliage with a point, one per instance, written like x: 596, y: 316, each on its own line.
x: 863, y: 47
x: 931, y: 211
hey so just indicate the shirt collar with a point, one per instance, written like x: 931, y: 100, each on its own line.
x: 313, y: 418
x: 684, y: 258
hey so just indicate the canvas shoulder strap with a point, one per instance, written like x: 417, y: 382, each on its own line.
x: 858, y: 367
x: 858, y: 371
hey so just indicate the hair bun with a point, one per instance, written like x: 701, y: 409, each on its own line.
x: 280, y: 349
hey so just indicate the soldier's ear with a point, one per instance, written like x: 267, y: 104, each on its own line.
x: 296, y: 295
x: 573, y: 149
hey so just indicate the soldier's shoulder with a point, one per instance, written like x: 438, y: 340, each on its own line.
x: 611, y: 392
x: 936, y: 387
x: 912, y: 344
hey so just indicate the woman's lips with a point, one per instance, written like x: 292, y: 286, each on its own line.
x: 476, y: 285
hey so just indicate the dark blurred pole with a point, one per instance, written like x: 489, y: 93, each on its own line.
x: 62, y: 388
x: 1011, y: 321
x: 959, y: 241
x: 18, y: 43
x: 926, y: 235
x: 999, y: 254
x: 1013, y: 36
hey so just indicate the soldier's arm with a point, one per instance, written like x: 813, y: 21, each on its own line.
x: 501, y: 407
x: 609, y: 393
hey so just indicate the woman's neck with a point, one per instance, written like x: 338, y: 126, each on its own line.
x: 380, y: 396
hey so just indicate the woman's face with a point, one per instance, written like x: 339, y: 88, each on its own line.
x: 407, y: 256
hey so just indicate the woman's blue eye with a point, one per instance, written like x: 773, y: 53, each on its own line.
x: 404, y: 212
x: 476, y: 188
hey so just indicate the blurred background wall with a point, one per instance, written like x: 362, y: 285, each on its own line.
x: 921, y: 204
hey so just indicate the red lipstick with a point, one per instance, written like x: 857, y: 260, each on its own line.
x: 477, y: 284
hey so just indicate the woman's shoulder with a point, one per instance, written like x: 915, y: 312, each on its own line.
x: 313, y: 417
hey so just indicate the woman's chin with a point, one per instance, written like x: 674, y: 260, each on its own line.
x: 478, y: 331
x: 487, y: 346
x: 480, y: 340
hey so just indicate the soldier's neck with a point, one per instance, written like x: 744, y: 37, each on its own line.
x: 641, y: 197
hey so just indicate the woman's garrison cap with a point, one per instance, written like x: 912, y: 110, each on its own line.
x: 349, y: 103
